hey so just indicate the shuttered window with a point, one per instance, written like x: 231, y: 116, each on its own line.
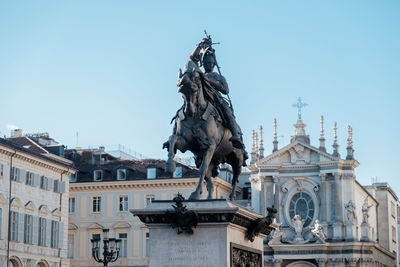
x: 44, y: 183
x: 28, y: 229
x: 42, y: 232
x: 14, y: 226
x: 56, y: 187
x: 15, y: 174
x: 54, y: 234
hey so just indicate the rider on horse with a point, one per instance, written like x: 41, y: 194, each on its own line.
x: 216, y: 84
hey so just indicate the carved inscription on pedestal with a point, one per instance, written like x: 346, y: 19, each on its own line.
x: 245, y: 257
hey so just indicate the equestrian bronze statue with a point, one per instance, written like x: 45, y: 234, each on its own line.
x: 205, y: 124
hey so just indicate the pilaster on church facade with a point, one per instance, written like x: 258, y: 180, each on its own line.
x: 321, y: 205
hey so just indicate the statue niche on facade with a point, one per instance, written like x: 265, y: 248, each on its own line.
x: 205, y: 124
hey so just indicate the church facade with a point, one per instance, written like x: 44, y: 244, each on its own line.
x: 325, y: 216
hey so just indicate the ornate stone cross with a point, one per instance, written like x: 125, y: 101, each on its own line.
x: 299, y: 105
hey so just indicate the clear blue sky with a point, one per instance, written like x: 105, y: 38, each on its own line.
x: 108, y: 69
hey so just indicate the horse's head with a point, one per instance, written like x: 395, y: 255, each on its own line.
x: 190, y: 86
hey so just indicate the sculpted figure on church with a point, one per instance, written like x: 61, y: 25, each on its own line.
x: 298, y: 227
x: 350, y: 209
x: 318, y: 231
x: 365, y: 209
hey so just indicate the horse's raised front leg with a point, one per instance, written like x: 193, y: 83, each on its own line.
x: 203, y: 170
x: 174, y: 142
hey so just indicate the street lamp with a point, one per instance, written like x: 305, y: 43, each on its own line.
x: 111, y: 248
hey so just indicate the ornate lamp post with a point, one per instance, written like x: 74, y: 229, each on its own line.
x: 111, y: 248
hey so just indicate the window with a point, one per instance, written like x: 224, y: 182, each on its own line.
x: 96, y: 207
x: 393, y: 209
x: 247, y: 193
x: 178, y: 172
x: 71, y: 205
x: 28, y: 228
x: 151, y: 173
x: 56, y: 187
x: 98, y: 175
x: 123, y: 203
x: 44, y: 183
x: 54, y: 234
x: 97, y: 236
x: 15, y: 174
x: 124, y: 245
x: 1, y: 170
x: 394, y: 235
x: 121, y: 174
x: 29, y: 178
x: 70, y: 246
x: 147, y: 244
x: 149, y: 199
x: 303, y: 205
x: 42, y: 232
x: 14, y: 226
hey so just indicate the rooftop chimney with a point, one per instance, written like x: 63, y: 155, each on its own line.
x: 16, y: 133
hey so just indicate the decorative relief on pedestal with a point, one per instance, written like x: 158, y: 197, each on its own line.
x: 241, y: 256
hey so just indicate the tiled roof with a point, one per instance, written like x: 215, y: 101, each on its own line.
x: 30, y: 147
x: 135, y: 170
x: 28, y: 144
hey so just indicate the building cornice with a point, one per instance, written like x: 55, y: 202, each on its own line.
x: 143, y: 184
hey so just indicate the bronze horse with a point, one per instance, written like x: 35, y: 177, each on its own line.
x: 199, y: 129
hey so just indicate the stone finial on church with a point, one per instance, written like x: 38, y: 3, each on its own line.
x: 322, y: 137
x: 261, y: 149
x: 350, y: 150
x: 275, y: 142
x: 335, y: 143
x: 253, y: 149
x: 256, y: 138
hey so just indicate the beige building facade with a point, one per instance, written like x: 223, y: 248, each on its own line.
x: 33, y: 205
x: 104, y: 191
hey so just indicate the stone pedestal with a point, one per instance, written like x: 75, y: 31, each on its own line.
x: 218, y: 239
x: 365, y: 230
x: 337, y: 229
x: 351, y: 231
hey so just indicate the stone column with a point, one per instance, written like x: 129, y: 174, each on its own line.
x: 276, y: 197
x: 256, y: 192
x: 337, y: 205
x: 268, y: 193
x: 324, y: 202
x: 338, y: 183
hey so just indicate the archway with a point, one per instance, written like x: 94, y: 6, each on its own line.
x: 42, y: 263
x: 15, y: 262
x: 301, y: 264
